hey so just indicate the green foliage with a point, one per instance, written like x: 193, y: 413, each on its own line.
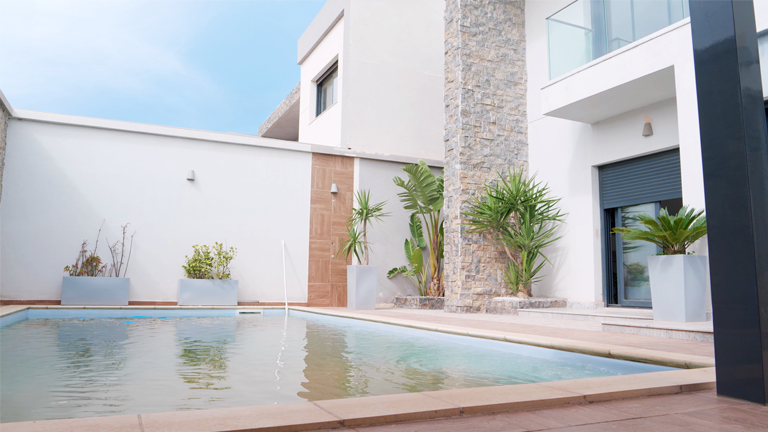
x: 414, y: 247
x: 353, y: 244
x: 519, y: 215
x: 363, y: 215
x: 673, y: 234
x: 423, y: 196
x: 209, y: 262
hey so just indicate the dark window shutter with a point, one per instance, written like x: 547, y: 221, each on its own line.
x: 645, y: 179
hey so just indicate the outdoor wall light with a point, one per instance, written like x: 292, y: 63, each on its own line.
x: 334, y: 188
x: 647, y: 128
x: 191, y: 175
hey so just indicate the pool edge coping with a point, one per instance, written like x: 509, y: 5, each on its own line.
x: 389, y: 409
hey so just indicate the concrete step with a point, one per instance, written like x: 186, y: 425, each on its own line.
x: 600, y: 314
x: 694, y: 331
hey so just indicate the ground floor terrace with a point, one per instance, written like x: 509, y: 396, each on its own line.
x: 682, y: 399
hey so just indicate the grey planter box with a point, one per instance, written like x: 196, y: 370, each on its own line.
x: 95, y: 291
x: 361, y: 287
x: 207, y: 292
x: 678, y: 287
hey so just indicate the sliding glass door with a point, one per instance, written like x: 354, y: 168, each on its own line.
x: 628, y: 189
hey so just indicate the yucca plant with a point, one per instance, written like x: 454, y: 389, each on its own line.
x: 673, y: 234
x: 521, y: 216
x: 358, y: 223
x: 414, y: 247
x: 423, y: 196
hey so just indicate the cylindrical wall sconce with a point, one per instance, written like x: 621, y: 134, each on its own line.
x: 191, y: 175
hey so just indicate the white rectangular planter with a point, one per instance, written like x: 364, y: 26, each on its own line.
x: 207, y: 292
x: 95, y: 291
x: 361, y: 287
x: 678, y: 287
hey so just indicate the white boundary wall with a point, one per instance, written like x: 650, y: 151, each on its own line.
x: 61, y: 181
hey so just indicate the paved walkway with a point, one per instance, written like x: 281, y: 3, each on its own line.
x: 700, y: 412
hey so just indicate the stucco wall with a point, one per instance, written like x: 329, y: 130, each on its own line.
x: 62, y: 181
x: 325, y: 128
x: 391, y: 56
x: 394, y: 78
x: 566, y: 154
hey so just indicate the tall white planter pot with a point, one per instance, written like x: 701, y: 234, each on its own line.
x: 678, y: 287
x: 361, y: 287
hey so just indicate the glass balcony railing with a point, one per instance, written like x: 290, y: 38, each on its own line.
x: 589, y: 29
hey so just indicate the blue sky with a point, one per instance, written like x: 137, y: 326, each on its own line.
x: 212, y: 65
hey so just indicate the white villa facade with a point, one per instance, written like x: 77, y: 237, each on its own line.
x: 372, y: 97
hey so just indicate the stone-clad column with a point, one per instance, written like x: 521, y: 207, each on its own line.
x: 486, y: 129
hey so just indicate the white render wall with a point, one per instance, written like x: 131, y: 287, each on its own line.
x: 391, y: 57
x: 324, y: 129
x: 395, y: 78
x: 61, y: 181
x: 566, y: 153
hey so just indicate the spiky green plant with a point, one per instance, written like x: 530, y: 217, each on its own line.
x: 423, y: 195
x: 673, y: 234
x: 414, y: 247
x: 521, y: 216
x: 358, y: 223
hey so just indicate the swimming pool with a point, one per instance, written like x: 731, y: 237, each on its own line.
x: 61, y: 363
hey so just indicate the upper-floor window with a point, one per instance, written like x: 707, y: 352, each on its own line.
x: 327, y: 89
x: 588, y: 29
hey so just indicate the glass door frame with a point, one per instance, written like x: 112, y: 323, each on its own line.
x: 618, y: 246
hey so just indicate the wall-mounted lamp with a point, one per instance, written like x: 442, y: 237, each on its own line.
x: 647, y: 128
x: 191, y: 175
x: 334, y: 188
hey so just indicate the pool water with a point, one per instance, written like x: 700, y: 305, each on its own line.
x: 88, y: 366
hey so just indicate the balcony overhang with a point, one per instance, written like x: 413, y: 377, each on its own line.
x: 606, y: 103
x: 637, y: 75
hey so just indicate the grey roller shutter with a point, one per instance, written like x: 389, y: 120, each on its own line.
x: 645, y: 179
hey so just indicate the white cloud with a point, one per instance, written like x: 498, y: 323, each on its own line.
x: 68, y: 48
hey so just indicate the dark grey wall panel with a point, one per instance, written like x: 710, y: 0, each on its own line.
x: 645, y: 179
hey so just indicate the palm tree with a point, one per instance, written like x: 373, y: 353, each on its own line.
x: 520, y: 216
x: 357, y: 226
x: 423, y: 195
x: 674, y: 234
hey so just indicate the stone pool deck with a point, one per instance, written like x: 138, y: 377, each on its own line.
x: 659, y: 401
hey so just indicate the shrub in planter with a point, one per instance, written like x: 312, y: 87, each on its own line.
x: 91, y: 282
x: 521, y: 216
x: 209, y: 276
x: 361, y: 279
x: 678, y: 278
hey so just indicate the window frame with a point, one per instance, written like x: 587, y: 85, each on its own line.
x: 319, y: 86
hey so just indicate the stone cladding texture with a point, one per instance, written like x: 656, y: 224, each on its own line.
x: 292, y: 98
x: 4, y: 116
x: 486, y: 130
x: 417, y: 302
